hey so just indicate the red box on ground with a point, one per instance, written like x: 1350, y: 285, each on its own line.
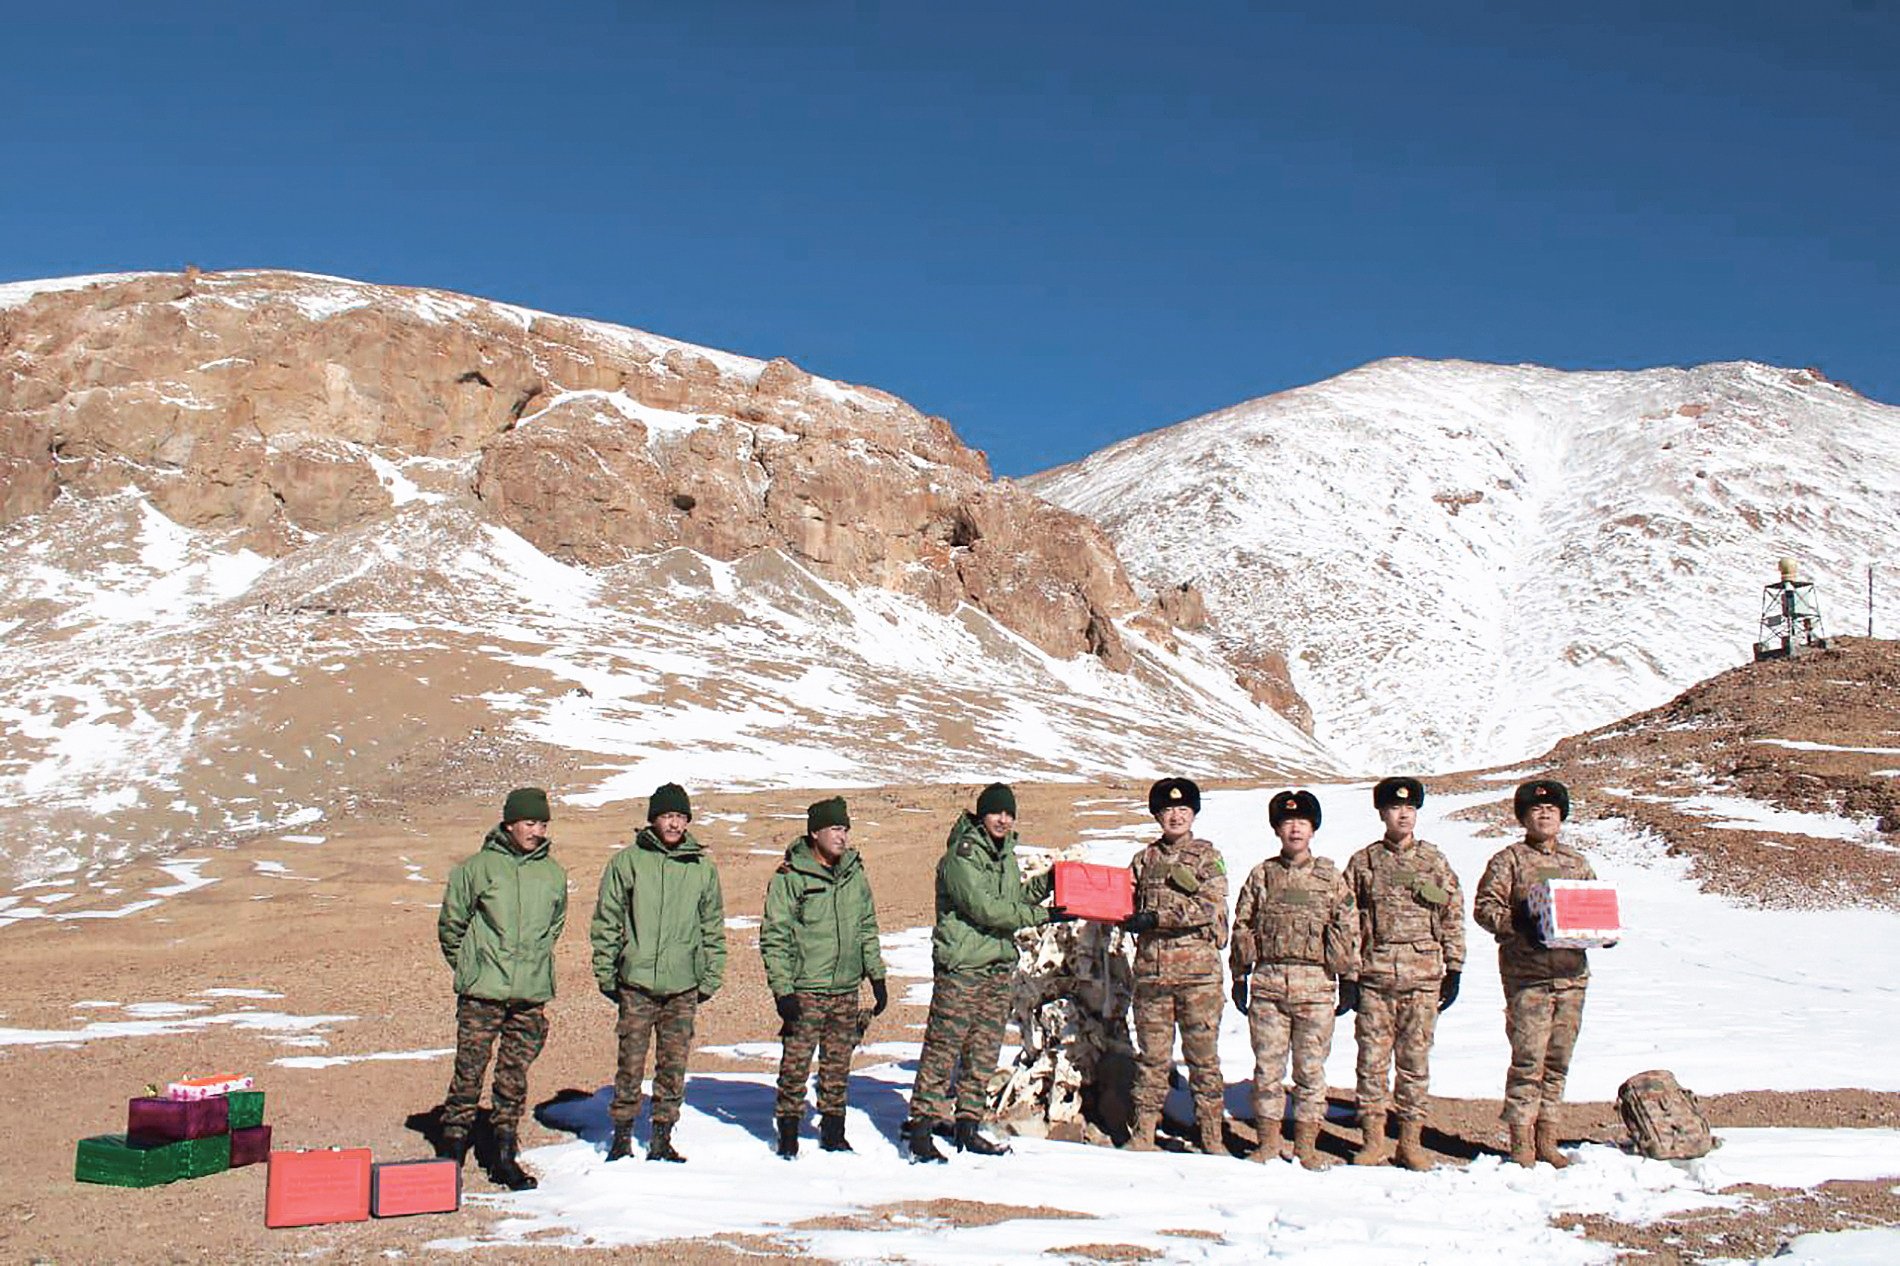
x: 153, y: 1120
x: 1105, y: 894
x: 400, y: 1188
x: 318, y: 1187
x: 250, y: 1145
x: 1576, y: 913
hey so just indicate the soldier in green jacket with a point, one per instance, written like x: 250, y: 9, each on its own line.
x: 659, y: 940
x: 502, y: 911
x: 819, y: 941
x: 982, y: 902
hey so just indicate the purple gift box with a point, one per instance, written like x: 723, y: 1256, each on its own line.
x: 152, y: 1120
x: 250, y: 1145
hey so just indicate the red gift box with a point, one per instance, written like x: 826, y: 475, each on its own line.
x: 1105, y: 894
x: 250, y: 1145
x: 400, y: 1188
x: 312, y: 1188
x: 1576, y: 913
x: 152, y: 1120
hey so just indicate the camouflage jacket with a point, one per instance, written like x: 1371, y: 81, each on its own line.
x: 1505, y: 888
x: 1186, y: 887
x: 1295, y: 914
x: 1411, y: 915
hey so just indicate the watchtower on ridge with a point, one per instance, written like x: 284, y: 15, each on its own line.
x: 1790, y: 616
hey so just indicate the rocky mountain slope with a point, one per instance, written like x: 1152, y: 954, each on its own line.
x: 1459, y: 564
x: 283, y: 547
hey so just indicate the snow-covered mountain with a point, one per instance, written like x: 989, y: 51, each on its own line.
x: 283, y: 547
x: 1462, y: 563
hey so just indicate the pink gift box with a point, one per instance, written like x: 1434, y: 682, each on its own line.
x: 152, y: 1120
x: 206, y: 1087
x: 250, y: 1145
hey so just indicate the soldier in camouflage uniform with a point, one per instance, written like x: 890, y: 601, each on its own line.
x: 982, y: 902
x: 1412, y: 939
x: 1543, y: 987
x: 819, y: 940
x: 659, y: 942
x: 1180, y: 925
x: 1295, y: 934
x: 502, y: 911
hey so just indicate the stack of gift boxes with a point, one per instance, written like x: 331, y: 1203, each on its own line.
x: 199, y: 1126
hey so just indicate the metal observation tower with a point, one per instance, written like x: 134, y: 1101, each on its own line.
x: 1790, y: 617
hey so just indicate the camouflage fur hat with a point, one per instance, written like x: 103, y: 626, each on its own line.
x: 823, y: 813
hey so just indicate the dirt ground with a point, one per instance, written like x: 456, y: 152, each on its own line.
x: 355, y: 937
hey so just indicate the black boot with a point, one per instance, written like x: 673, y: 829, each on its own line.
x: 831, y: 1133
x: 660, y: 1148
x: 788, y: 1137
x: 968, y: 1140
x: 622, y: 1144
x: 508, y: 1171
x: 923, y: 1148
x: 453, y: 1146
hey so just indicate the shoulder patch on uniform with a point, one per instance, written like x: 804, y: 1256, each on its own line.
x: 965, y: 848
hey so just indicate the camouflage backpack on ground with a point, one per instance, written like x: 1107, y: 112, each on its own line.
x: 1664, y: 1120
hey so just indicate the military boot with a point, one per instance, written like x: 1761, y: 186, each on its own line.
x: 970, y: 1140
x: 621, y: 1146
x: 1412, y: 1152
x: 921, y: 1147
x: 1213, y: 1138
x: 1266, y: 1145
x: 507, y: 1170
x: 1141, y: 1136
x: 1546, y: 1145
x: 788, y: 1137
x: 1306, y: 1146
x: 1377, y: 1148
x: 1523, y: 1148
x: 831, y: 1133
x: 660, y: 1146
x: 453, y: 1146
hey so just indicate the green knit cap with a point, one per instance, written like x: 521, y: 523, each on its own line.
x: 824, y: 813
x: 669, y: 798
x: 526, y: 804
x: 996, y: 798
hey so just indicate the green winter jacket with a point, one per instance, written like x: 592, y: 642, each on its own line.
x: 820, y: 928
x: 502, y: 911
x: 982, y: 900
x: 660, y: 923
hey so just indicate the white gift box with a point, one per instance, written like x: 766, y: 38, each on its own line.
x: 206, y: 1087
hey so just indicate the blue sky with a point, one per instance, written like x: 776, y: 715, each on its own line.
x: 1055, y: 224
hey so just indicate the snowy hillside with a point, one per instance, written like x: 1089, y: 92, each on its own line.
x: 164, y: 687
x: 1463, y: 563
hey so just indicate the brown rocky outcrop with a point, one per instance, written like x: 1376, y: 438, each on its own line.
x: 279, y: 404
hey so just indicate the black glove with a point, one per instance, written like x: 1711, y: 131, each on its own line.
x: 1240, y: 994
x: 1348, y: 997
x: 1059, y: 914
x: 788, y: 1008
x: 1140, y: 921
x: 1524, y: 923
x: 704, y: 997
x: 611, y: 993
x: 1448, y: 989
x: 880, y: 996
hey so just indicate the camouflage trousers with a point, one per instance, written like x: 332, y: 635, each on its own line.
x: 1542, y: 1021
x: 1396, y: 1025
x: 666, y: 1022
x: 1196, y: 1010
x: 520, y: 1030
x: 827, y: 1024
x: 962, y: 1040
x: 1295, y: 1020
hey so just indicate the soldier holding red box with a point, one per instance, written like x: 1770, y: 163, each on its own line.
x: 1543, y: 986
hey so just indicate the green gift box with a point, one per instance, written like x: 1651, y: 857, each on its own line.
x: 247, y: 1108
x: 115, y: 1161
x: 200, y: 1157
